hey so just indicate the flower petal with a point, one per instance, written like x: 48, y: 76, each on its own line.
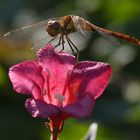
x: 39, y: 108
x: 89, y: 78
x: 81, y: 108
x: 58, y: 65
x: 26, y: 78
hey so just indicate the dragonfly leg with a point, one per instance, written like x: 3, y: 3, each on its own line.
x: 62, y: 43
x: 59, y: 42
x: 51, y: 40
x: 72, y: 45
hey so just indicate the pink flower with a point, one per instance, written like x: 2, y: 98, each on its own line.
x: 59, y: 86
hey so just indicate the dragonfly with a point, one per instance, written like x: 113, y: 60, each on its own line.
x: 62, y: 27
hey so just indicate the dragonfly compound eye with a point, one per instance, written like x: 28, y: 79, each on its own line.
x: 53, y: 28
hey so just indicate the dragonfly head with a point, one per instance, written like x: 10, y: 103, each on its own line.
x: 53, y: 28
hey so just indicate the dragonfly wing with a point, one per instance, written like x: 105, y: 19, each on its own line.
x: 78, y: 23
x: 24, y: 30
x: 29, y: 34
x: 82, y: 25
x: 79, y: 39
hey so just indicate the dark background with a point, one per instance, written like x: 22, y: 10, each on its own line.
x: 117, y: 111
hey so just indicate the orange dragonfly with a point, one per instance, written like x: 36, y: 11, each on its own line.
x: 62, y: 27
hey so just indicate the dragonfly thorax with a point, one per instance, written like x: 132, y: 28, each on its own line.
x: 67, y: 25
x: 53, y: 28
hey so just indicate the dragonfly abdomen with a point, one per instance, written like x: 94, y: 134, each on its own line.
x: 121, y: 36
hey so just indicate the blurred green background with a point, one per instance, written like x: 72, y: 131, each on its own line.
x: 117, y: 111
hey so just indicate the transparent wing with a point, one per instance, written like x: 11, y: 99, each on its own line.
x: 84, y: 27
x: 112, y: 36
x: 28, y: 30
x: 79, y: 25
x: 79, y: 40
x: 32, y: 34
